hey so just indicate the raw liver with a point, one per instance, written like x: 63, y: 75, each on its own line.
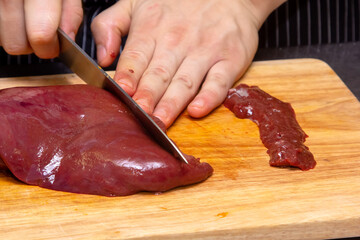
x: 2, y: 165
x: 82, y: 139
x: 279, y: 131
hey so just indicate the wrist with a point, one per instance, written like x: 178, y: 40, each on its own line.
x: 263, y: 8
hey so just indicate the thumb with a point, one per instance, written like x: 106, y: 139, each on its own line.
x: 108, y: 28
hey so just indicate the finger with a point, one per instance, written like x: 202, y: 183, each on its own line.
x: 133, y: 61
x: 156, y: 79
x: 42, y: 19
x: 108, y: 28
x: 221, y: 77
x: 167, y: 57
x: 218, y: 81
x: 71, y: 17
x: 13, y: 36
x: 139, y: 48
x: 183, y: 88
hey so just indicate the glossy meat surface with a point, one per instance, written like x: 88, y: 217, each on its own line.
x: 279, y: 130
x: 82, y: 139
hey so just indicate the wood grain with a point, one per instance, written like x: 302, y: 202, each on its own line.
x: 244, y: 199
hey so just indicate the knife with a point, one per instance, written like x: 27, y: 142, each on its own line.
x: 88, y: 70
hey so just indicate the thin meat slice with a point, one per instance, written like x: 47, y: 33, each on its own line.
x: 82, y: 139
x: 279, y: 131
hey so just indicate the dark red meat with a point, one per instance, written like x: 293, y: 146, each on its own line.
x: 82, y: 139
x: 2, y: 165
x: 279, y: 130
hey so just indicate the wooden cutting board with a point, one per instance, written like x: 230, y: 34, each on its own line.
x: 245, y: 198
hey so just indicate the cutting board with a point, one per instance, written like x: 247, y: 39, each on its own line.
x: 244, y: 199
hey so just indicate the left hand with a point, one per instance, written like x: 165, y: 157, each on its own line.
x: 178, y: 53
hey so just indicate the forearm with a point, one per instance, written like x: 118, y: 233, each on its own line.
x: 263, y: 8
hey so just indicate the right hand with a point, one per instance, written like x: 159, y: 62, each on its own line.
x: 30, y: 26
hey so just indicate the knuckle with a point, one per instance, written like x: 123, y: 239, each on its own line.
x: 41, y: 36
x: 219, y: 80
x: 207, y: 42
x: 170, y: 104
x: 135, y: 55
x: 94, y: 23
x: 98, y: 22
x: 175, y: 35
x: 161, y: 72
x: 185, y: 80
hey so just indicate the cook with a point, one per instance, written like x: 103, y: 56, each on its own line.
x: 177, y: 54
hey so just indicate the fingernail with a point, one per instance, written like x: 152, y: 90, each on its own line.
x: 161, y: 114
x: 198, y: 103
x: 101, y: 52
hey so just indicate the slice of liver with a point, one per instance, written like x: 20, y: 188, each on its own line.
x: 82, y: 139
x: 279, y: 130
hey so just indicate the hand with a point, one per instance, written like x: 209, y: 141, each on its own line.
x: 29, y: 26
x: 174, y: 48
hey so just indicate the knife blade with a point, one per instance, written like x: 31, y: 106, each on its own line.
x: 88, y: 70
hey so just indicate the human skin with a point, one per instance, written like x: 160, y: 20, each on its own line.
x: 178, y: 54
x: 30, y: 26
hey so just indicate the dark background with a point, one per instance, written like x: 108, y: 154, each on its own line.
x: 324, y: 29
